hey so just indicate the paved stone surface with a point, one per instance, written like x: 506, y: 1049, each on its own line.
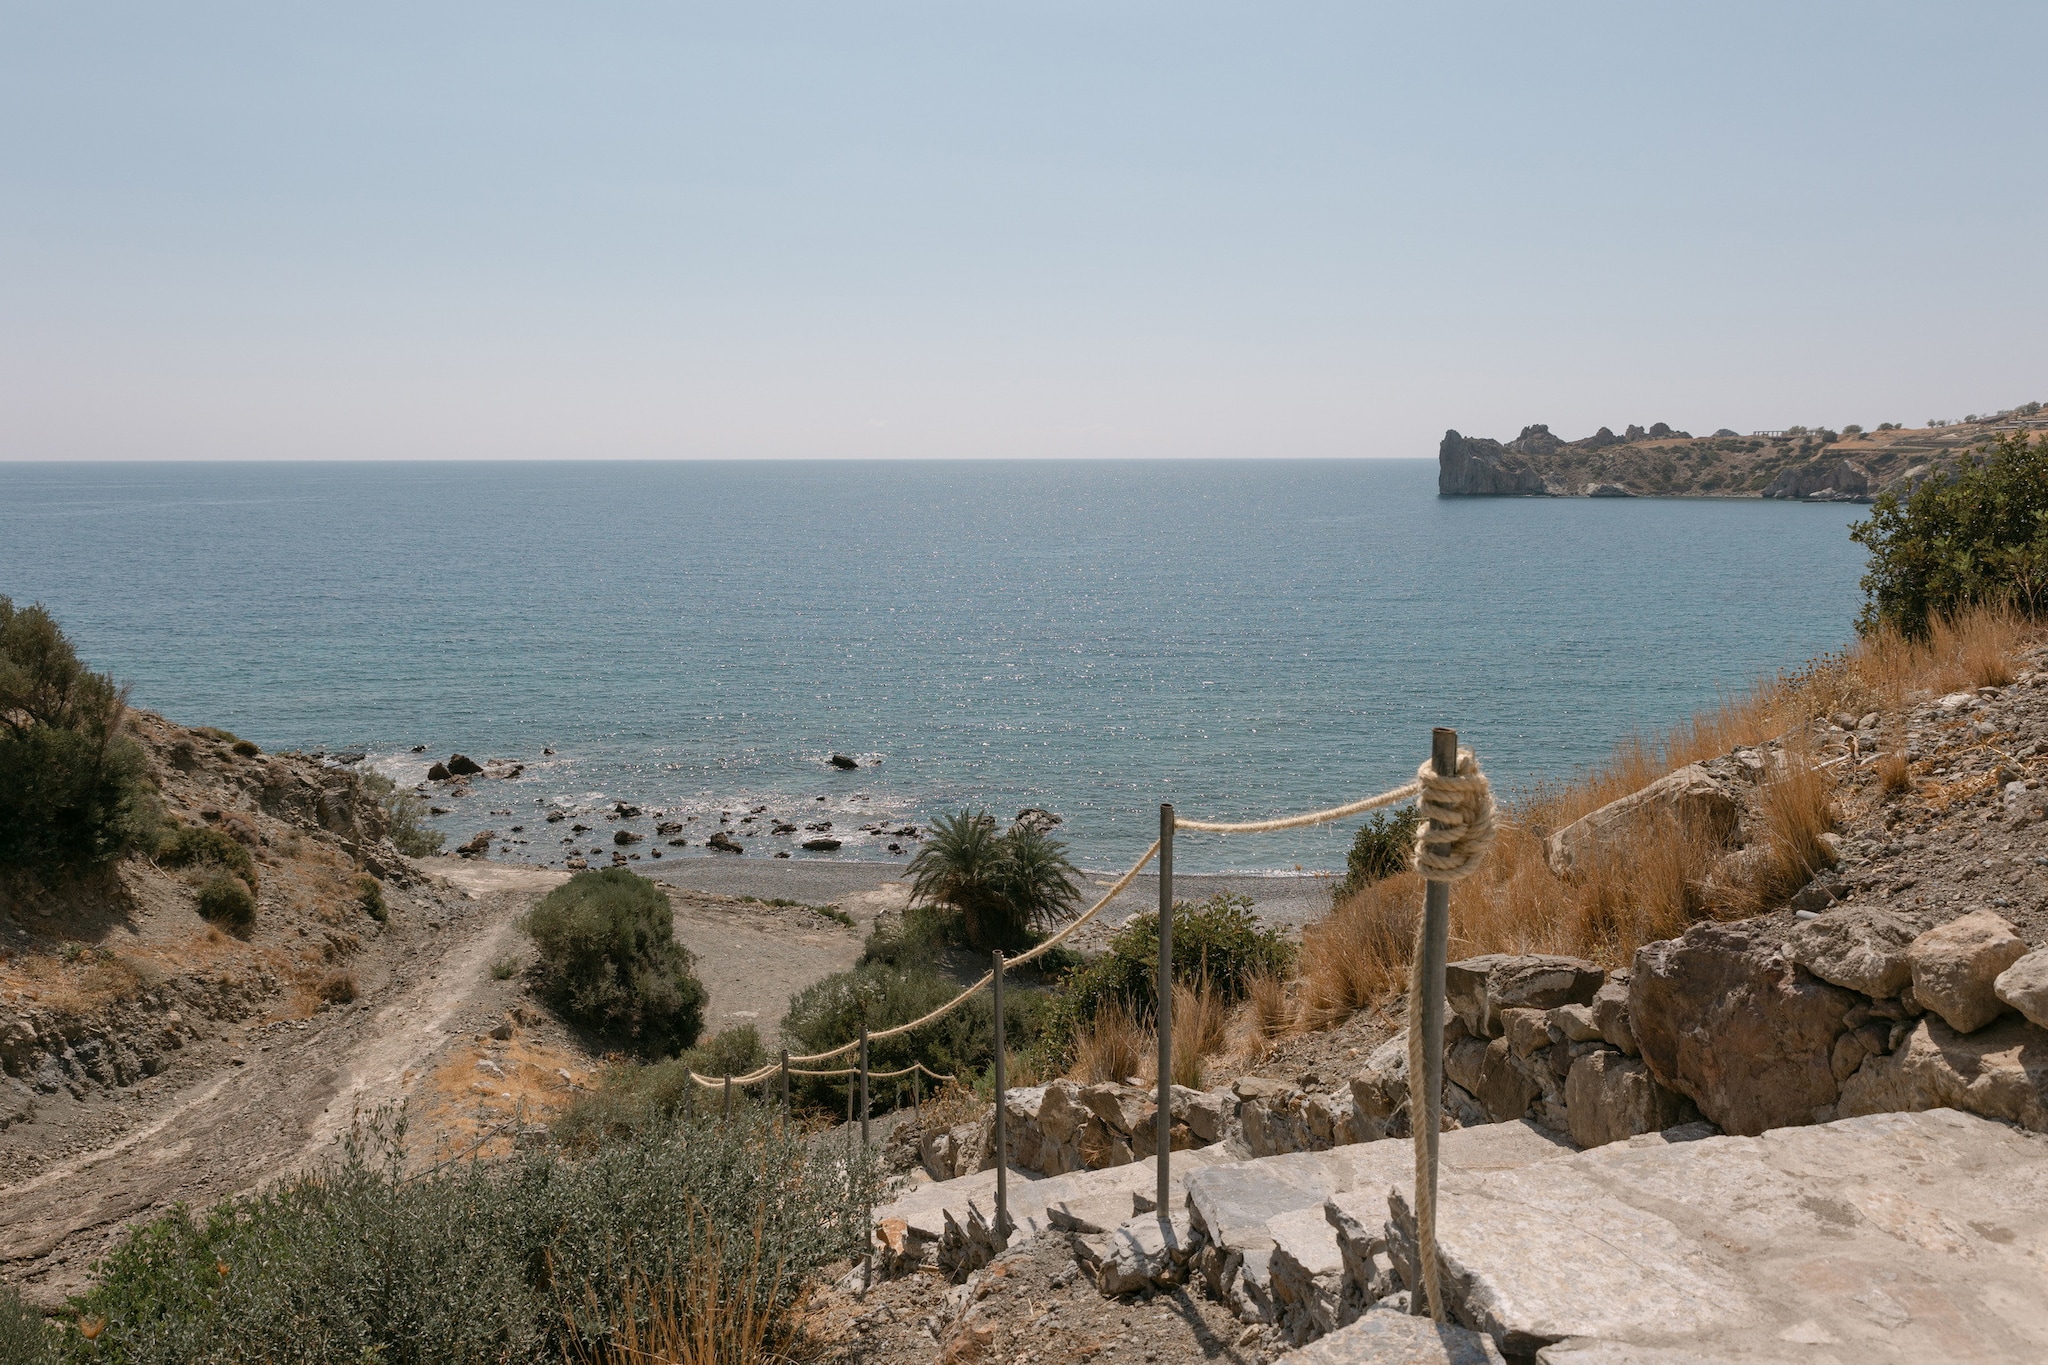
x: 924, y: 1208
x: 1893, y: 1237
x: 1398, y: 1339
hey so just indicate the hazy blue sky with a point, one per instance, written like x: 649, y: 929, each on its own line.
x: 859, y: 229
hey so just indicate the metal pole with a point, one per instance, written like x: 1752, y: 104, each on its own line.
x: 863, y: 1084
x: 916, y: 1098
x: 785, y: 1082
x: 1002, y: 1119
x: 1164, y: 1012
x: 1426, y: 1102
x: 690, y: 1100
x: 725, y: 1109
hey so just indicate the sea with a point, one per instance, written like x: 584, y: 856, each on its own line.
x: 1240, y: 638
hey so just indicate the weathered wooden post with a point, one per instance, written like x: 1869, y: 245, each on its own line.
x: 1425, y: 1095
x: 1164, y: 1012
x: 725, y: 1109
x: 1002, y: 1113
x: 916, y: 1097
x: 863, y: 1083
x: 690, y: 1100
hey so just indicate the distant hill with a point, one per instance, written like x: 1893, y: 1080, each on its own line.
x: 1808, y: 466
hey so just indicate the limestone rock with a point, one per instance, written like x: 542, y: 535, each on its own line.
x: 1475, y: 467
x: 1724, y: 1019
x: 1380, y: 1089
x: 1480, y: 988
x: 1506, y: 1090
x: 1574, y: 1024
x: 1307, y: 1270
x: 1955, y: 966
x: 1125, y: 1108
x: 2024, y: 986
x: 1611, y: 1097
x: 2000, y: 1072
x: 1149, y: 1252
x: 1692, y: 796
x: 1400, y: 1339
x: 1206, y: 1113
x: 1610, y: 1013
x: 1859, y: 947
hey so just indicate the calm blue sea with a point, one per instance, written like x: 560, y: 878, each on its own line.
x: 1241, y: 638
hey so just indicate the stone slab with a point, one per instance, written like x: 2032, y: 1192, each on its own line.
x: 923, y: 1209
x: 1398, y: 1339
x: 1891, y: 1237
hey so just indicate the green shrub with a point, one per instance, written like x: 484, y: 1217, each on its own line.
x: 225, y: 901
x: 504, y: 968
x: 25, y: 1339
x: 1001, y: 885
x: 1383, y: 846
x: 245, y: 748
x: 370, y: 896
x: 1977, y: 535
x: 609, y: 960
x: 1218, y: 938
x: 74, y: 791
x: 405, y: 816
x: 731, y: 1052
x: 523, y: 1261
x: 205, y: 846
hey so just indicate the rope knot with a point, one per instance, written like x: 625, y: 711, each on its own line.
x: 1457, y: 820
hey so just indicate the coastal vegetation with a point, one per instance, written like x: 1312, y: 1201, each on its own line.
x: 1971, y: 536
x: 1383, y: 846
x: 25, y: 1339
x: 74, y: 789
x: 405, y: 815
x: 999, y: 886
x: 609, y: 960
x: 704, y: 1231
x: 1357, y: 956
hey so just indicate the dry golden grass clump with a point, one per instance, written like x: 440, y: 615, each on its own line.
x: 1666, y: 876
x: 1112, y: 1047
x: 1201, y: 1030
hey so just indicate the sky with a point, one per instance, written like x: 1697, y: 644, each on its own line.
x: 963, y: 230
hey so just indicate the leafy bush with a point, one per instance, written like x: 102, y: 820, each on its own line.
x: 609, y: 959
x: 25, y: 1339
x: 370, y: 896
x: 245, y: 748
x: 731, y: 1052
x: 225, y: 901
x: 1383, y: 846
x: 524, y: 1261
x: 1979, y: 535
x: 405, y: 816
x: 205, y: 846
x: 74, y: 791
x: 1218, y: 939
x: 1001, y: 885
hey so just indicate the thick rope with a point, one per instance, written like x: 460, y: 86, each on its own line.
x: 1457, y: 830
x: 1457, y: 820
x: 1314, y: 817
x: 718, y: 1082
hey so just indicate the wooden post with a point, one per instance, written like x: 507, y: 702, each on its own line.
x: 785, y: 1082
x: 1002, y: 1114
x: 725, y: 1109
x: 863, y: 1084
x: 690, y: 1100
x: 1426, y: 1100
x: 916, y: 1095
x: 1164, y: 1012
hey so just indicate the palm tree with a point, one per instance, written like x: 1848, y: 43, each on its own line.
x: 1003, y: 885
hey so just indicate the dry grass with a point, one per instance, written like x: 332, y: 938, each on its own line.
x: 1268, y: 1011
x: 1111, y: 1048
x: 1667, y: 876
x: 715, y: 1313
x: 1201, y: 1030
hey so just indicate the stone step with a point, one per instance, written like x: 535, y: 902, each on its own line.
x: 1893, y: 1237
x: 1397, y: 1339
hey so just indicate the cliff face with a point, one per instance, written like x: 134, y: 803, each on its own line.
x: 1804, y: 466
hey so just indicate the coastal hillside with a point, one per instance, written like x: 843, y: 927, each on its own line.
x: 1801, y: 464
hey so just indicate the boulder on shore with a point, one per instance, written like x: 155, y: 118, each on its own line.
x: 724, y: 843
x: 1693, y: 797
x: 461, y: 765
x: 1955, y: 968
x: 843, y: 762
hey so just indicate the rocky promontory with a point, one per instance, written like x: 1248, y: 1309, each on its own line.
x: 1796, y: 464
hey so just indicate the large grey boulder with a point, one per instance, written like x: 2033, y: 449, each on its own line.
x: 1476, y: 467
x: 1400, y: 1339
x: 1955, y: 968
x: 1693, y: 797
x: 2000, y: 1072
x: 1723, y: 1018
x: 1611, y: 1097
x: 2024, y: 986
x: 1890, y: 1238
x: 1481, y: 988
x: 1610, y: 1013
x: 1859, y: 947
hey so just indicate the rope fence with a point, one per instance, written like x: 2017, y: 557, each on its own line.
x: 1456, y: 831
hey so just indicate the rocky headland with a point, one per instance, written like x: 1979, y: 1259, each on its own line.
x: 1797, y: 464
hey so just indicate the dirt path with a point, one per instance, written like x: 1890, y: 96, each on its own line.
x: 251, y: 1104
